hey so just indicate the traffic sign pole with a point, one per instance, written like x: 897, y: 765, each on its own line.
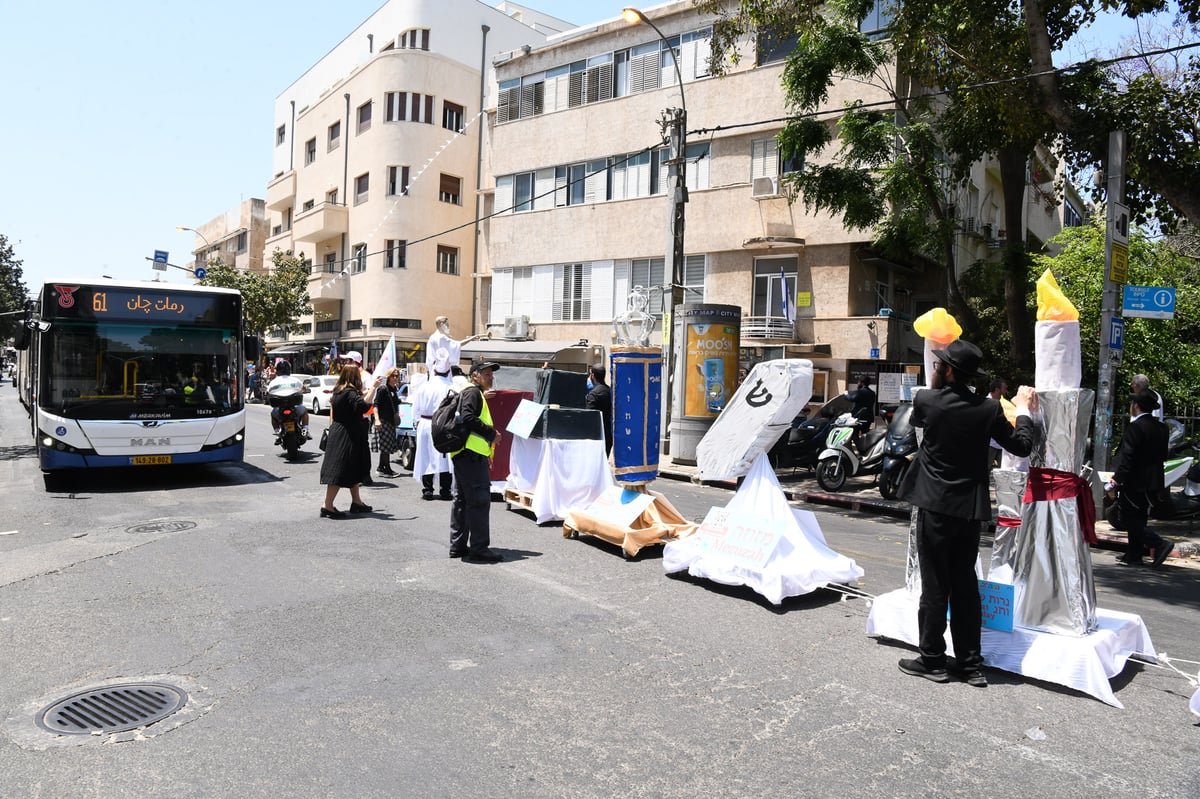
x: 1116, y: 274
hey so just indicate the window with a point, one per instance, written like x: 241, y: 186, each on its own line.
x: 280, y: 135
x: 406, y: 324
x: 569, y: 184
x: 698, y: 160
x: 769, y: 276
x: 414, y: 39
x: 330, y: 326
x: 1071, y: 215
x: 572, y: 292
x: 397, y: 180
x: 450, y: 190
x: 287, y: 218
x: 523, y: 192
x: 362, y: 185
x: 364, y: 117
x: 394, y: 253
x: 335, y: 136
x: 447, y: 260
x: 395, y: 106
x: 771, y: 50
x: 307, y: 262
x: 408, y: 106
x: 241, y: 242
x: 359, y: 264
x: 308, y: 205
x: 331, y: 263
x: 877, y: 21
x: 310, y: 151
x: 354, y: 324
x: 331, y: 196
x: 452, y: 116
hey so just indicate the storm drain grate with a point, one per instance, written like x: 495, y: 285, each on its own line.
x: 113, y: 708
x: 161, y: 527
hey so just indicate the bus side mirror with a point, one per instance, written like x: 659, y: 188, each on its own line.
x: 252, y: 348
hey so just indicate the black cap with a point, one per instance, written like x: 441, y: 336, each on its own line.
x: 480, y: 364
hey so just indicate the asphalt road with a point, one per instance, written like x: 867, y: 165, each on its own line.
x: 354, y: 659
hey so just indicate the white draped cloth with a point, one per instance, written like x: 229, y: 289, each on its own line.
x: 1085, y: 663
x: 801, y: 563
x: 558, y: 474
x: 425, y: 400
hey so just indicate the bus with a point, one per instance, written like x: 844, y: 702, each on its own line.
x: 120, y: 373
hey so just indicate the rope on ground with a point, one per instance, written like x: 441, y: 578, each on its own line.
x: 1165, y: 661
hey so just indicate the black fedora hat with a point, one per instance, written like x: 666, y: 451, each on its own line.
x: 964, y: 356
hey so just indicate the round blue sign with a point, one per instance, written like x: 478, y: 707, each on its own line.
x: 200, y: 273
x: 60, y: 431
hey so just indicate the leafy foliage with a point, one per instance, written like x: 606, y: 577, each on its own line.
x: 13, y: 294
x: 277, y: 298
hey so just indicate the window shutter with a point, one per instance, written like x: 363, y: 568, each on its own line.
x: 764, y: 159
x: 543, y: 188
x: 560, y: 283
x: 694, y: 270
x: 527, y: 101
x: 502, y: 296
x: 523, y: 294
x: 575, y: 89
x: 601, y: 298
x: 560, y: 186
x: 621, y: 286
x: 428, y: 109
x: 507, y: 104
x: 504, y: 194
x: 596, y: 184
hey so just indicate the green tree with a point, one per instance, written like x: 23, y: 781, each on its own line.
x: 1163, y: 349
x: 13, y: 294
x: 276, y: 298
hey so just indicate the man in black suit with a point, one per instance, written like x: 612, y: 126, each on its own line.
x: 1138, y: 475
x: 599, y: 398
x: 948, y: 484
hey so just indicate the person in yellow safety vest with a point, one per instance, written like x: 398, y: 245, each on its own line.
x: 470, y: 522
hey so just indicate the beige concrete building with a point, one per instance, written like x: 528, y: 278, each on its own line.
x: 376, y: 165
x: 237, y: 237
x: 576, y: 161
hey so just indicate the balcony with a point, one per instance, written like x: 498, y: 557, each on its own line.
x: 281, y: 192
x: 325, y: 287
x: 768, y: 327
x: 321, y: 222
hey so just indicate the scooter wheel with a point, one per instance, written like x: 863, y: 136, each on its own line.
x: 831, y: 474
x: 890, y: 479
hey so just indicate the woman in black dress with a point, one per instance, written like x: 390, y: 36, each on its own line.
x: 387, y: 414
x: 347, y: 459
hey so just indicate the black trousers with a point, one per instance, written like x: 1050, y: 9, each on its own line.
x: 1135, y: 512
x: 947, y: 548
x: 470, y: 519
x: 445, y: 480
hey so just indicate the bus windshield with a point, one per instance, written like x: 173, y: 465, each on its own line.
x: 129, y: 370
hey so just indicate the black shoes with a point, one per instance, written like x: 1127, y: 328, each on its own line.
x: 454, y: 553
x: 427, y: 496
x: 1126, y: 560
x: 326, y: 513
x: 386, y: 473
x: 357, y: 508
x: 445, y: 495
x: 486, y: 556
x: 972, y: 677
x: 1161, y: 552
x: 917, y: 668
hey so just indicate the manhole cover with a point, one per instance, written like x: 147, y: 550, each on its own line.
x: 113, y: 708
x: 161, y: 527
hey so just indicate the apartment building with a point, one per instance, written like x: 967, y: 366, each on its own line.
x: 577, y: 161
x: 237, y: 237
x: 375, y: 171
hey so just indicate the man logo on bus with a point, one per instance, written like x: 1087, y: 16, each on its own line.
x: 66, y: 295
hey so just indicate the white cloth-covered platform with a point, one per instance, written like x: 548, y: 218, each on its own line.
x: 800, y: 563
x: 1085, y: 663
x: 558, y: 474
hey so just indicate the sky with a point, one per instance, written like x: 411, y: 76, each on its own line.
x: 129, y: 118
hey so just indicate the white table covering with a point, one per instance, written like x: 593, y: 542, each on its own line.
x: 1085, y: 663
x: 558, y: 474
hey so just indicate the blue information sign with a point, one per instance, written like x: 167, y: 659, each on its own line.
x: 1116, y: 334
x: 1149, y: 302
x: 160, y: 256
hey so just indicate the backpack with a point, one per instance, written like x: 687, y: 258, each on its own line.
x: 446, y: 427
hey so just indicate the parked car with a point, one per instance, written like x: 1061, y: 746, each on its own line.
x: 319, y: 389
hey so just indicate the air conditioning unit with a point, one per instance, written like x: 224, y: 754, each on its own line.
x: 516, y: 328
x: 764, y: 187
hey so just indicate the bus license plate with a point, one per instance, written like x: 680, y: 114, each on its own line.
x: 150, y: 460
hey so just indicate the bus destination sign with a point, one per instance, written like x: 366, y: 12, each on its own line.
x: 101, y: 303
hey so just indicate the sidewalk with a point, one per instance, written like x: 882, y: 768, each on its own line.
x: 863, y: 496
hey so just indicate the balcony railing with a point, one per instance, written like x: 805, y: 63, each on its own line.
x: 767, y: 327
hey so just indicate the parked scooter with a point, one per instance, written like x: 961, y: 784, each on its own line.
x: 1183, y: 504
x: 801, y: 446
x: 840, y: 460
x: 899, y: 449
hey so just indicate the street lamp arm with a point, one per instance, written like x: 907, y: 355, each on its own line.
x: 633, y: 16
x: 203, y: 238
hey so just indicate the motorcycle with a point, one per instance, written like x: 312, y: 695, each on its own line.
x: 840, y: 460
x: 801, y: 446
x: 899, y: 449
x: 1183, y: 504
x: 291, y: 432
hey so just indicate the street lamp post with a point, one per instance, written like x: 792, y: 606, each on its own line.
x: 204, y: 238
x: 674, y: 119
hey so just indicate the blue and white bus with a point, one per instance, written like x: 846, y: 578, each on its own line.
x: 134, y: 374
